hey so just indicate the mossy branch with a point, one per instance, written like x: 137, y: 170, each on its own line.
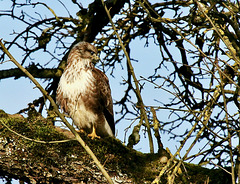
x: 55, y: 108
x: 2, y: 120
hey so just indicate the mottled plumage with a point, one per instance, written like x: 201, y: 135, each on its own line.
x: 84, y: 93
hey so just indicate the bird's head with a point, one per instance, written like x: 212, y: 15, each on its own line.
x: 86, y: 50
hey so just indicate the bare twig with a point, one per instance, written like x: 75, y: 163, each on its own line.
x: 219, y: 32
x: 137, y: 90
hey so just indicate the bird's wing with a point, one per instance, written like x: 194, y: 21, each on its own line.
x: 105, y: 97
x: 61, y: 101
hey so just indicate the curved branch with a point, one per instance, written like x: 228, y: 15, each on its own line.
x: 137, y: 90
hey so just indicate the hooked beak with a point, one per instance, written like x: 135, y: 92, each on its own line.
x: 95, y: 58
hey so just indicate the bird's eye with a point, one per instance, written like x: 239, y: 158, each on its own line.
x: 92, y: 52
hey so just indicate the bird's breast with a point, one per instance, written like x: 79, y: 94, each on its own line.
x: 76, y: 83
x: 78, y: 88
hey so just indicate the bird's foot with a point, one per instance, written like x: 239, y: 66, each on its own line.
x: 93, y: 135
x: 80, y: 131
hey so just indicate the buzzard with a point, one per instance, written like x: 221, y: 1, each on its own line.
x: 84, y: 93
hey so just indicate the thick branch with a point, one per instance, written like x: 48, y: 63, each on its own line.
x: 36, y: 72
x: 100, y: 18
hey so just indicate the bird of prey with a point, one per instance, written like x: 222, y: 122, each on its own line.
x: 84, y: 93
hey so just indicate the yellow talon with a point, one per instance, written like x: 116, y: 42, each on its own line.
x: 93, y: 134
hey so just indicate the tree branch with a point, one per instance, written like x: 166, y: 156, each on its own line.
x: 137, y: 90
x: 99, y: 20
x: 36, y: 72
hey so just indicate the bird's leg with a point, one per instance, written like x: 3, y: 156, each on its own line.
x: 93, y: 134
